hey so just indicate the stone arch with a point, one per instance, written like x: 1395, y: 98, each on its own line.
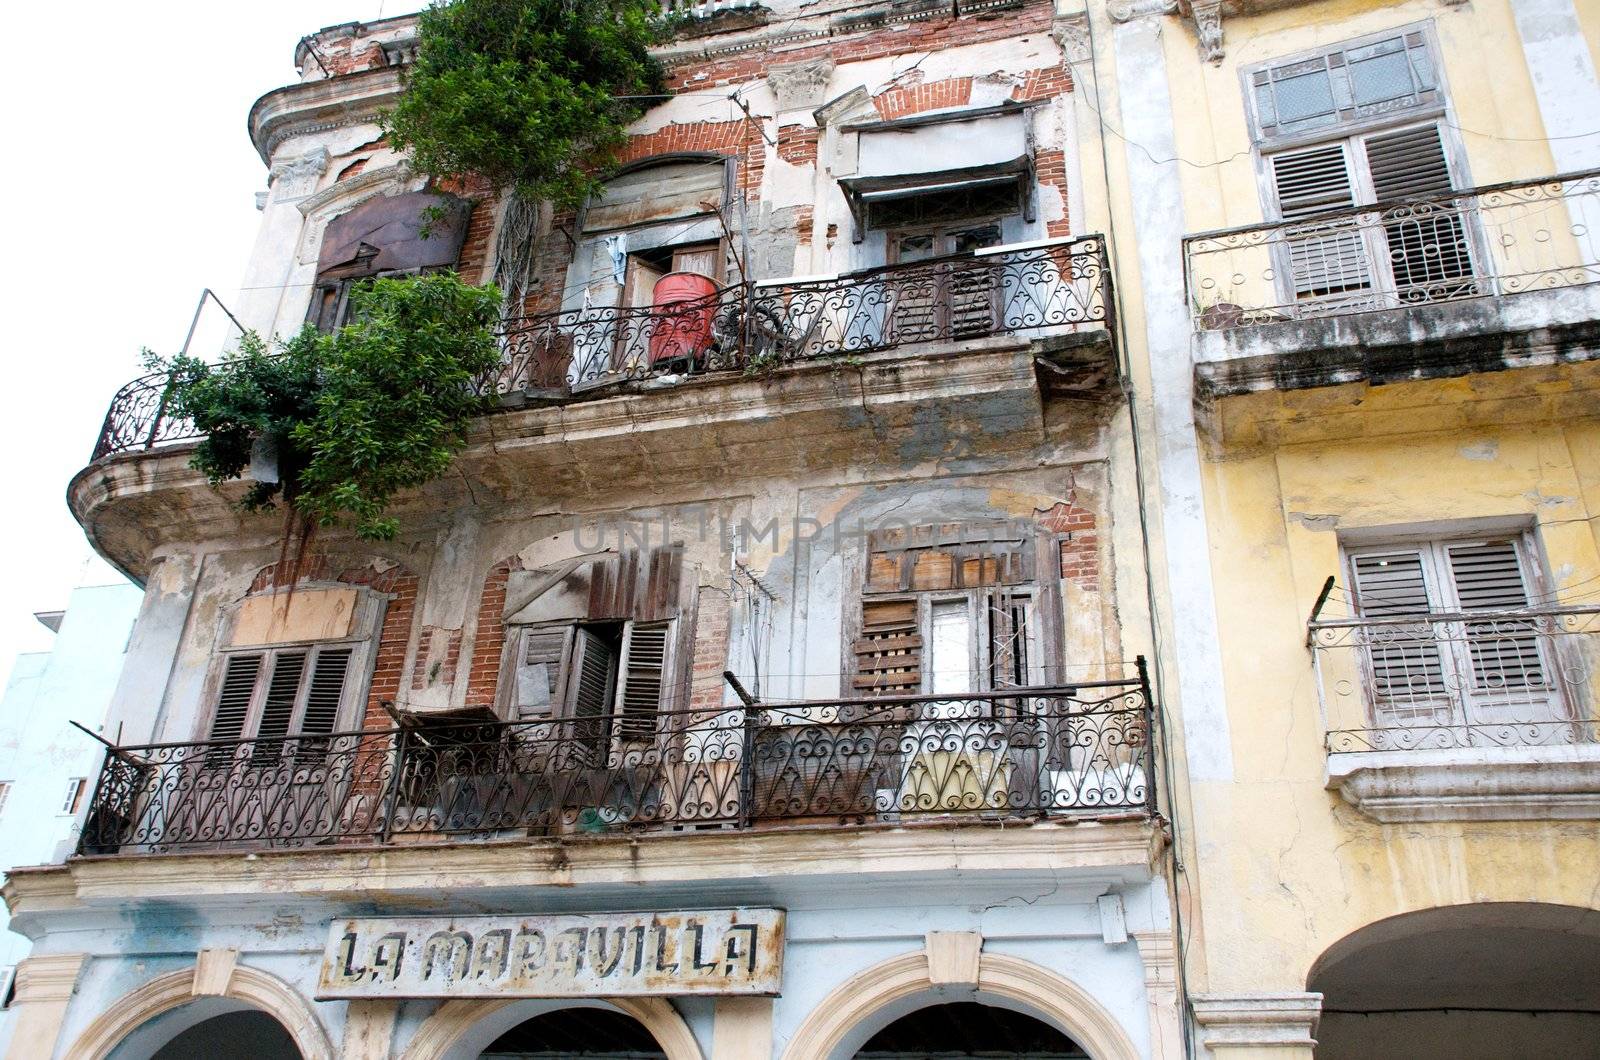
x: 1008, y: 981
x: 456, y: 1023
x: 249, y: 987
x: 1513, y: 978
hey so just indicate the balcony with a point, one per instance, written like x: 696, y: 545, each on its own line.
x: 1055, y: 294
x: 1038, y: 754
x: 1479, y: 715
x: 1482, y: 280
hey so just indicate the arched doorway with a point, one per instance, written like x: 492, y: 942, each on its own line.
x: 244, y: 1033
x: 967, y: 1030
x: 576, y: 1034
x: 1488, y: 980
x: 625, y: 1028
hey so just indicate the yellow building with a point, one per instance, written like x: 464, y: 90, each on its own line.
x: 1356, y: 251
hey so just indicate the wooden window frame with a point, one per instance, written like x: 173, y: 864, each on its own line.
x: 366, y: 627
x: 563, y: 697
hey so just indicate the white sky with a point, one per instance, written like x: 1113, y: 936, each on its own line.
x: 128, y: 181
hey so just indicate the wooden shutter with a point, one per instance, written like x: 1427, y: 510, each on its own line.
x: 233, y: 702
x: 1323, y: 260
x: 644, y: 665
x: 1504, y: 653
x: 1427, y: 244
x: 889, y: 651
x: 277, y: 710
x: 1404, y: 659
x: 541, y: 662
x: 321, y: 715
x: 594, y: 672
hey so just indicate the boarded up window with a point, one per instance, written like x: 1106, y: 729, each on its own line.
x: 658, y: 193
x: 889, y: 650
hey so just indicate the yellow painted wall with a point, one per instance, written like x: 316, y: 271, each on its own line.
x: 1287, y: 867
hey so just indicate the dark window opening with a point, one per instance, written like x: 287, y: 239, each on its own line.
x: 967, y: 1030
x: 576, y: 1032
x: 933, y: 207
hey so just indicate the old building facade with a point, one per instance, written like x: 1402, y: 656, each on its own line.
x: 769, y: 676
x: 766, y: 678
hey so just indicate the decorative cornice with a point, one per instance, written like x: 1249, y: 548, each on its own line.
x: 49, y: 978
x: 317, y: 106
x: 1071, y: 32
x: 1133, y: 10
x: 1207, y: 18
x: 1123, y: 850
x: 1159, y: 952
x: 293, y: 178
x: 1257, y: 1019
x: 800, y: 86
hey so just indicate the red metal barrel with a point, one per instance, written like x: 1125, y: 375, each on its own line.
x: 686, y: 333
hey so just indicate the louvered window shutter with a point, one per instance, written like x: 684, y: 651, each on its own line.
x: 644, y: 665
x: 889, y: 651
x: 1407, y: 670
x: 277, y: 711
x: 1324, y: 259
x: 541, y: 662
x: 594, y: 673
x: 327, y: 690
x: 1427, y: 244
x: 233, y: 703
x: 1505, y: 653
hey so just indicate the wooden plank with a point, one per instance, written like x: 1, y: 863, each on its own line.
x: 889, y: 644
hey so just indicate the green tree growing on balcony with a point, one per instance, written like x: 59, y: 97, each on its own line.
x: 334, y: 425
x: 532, y: 95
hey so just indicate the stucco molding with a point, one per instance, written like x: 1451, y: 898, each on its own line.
x: 295, y: 177
x: 1257, y: 1019
x: 1134, y: 10
x: 953, y: 957
x: 213, y: 971
x: 1039, y: 991
x: 1071, y: 32
x: 320, y: 106
x: 48, y: 978
x: 800, y: 86
x: 441, y: 1032
x: 250, y: 986
x: 1471, y: 784
x: 1207, y: 18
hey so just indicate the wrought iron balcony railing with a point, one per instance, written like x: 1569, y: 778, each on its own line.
x: 1027, y: 290
x: 1461, y: 679
x: 1034, y: 753
x: 1494, y: 240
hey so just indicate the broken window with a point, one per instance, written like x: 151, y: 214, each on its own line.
x: 384, y: 237
x: 592, y: 642
x: 1388, y: 76
x: 949, y: 610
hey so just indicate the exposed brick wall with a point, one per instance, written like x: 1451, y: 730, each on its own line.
x: 1051, y: 169
x: 710, y: 652
x: 932, y: 34
x: 797, y: 144
x: 475, y: 247
x: 1080, y: 551
x: 483, y: 675
x: 389, y: 661
x: 741, y: 138
x: 931, y: 95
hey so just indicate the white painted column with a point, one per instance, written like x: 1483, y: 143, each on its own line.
x: 272, y: 260
x: 147, y: 666
x: 1159, y: 952
x: 45, y: 986
x: 1145, y: 103
x: 1564, y: 82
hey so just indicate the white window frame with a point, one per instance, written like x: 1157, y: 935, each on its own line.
x: 77, y: 789
x: 5, y: 795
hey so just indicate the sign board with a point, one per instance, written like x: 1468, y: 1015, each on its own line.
x: 721, y: 951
